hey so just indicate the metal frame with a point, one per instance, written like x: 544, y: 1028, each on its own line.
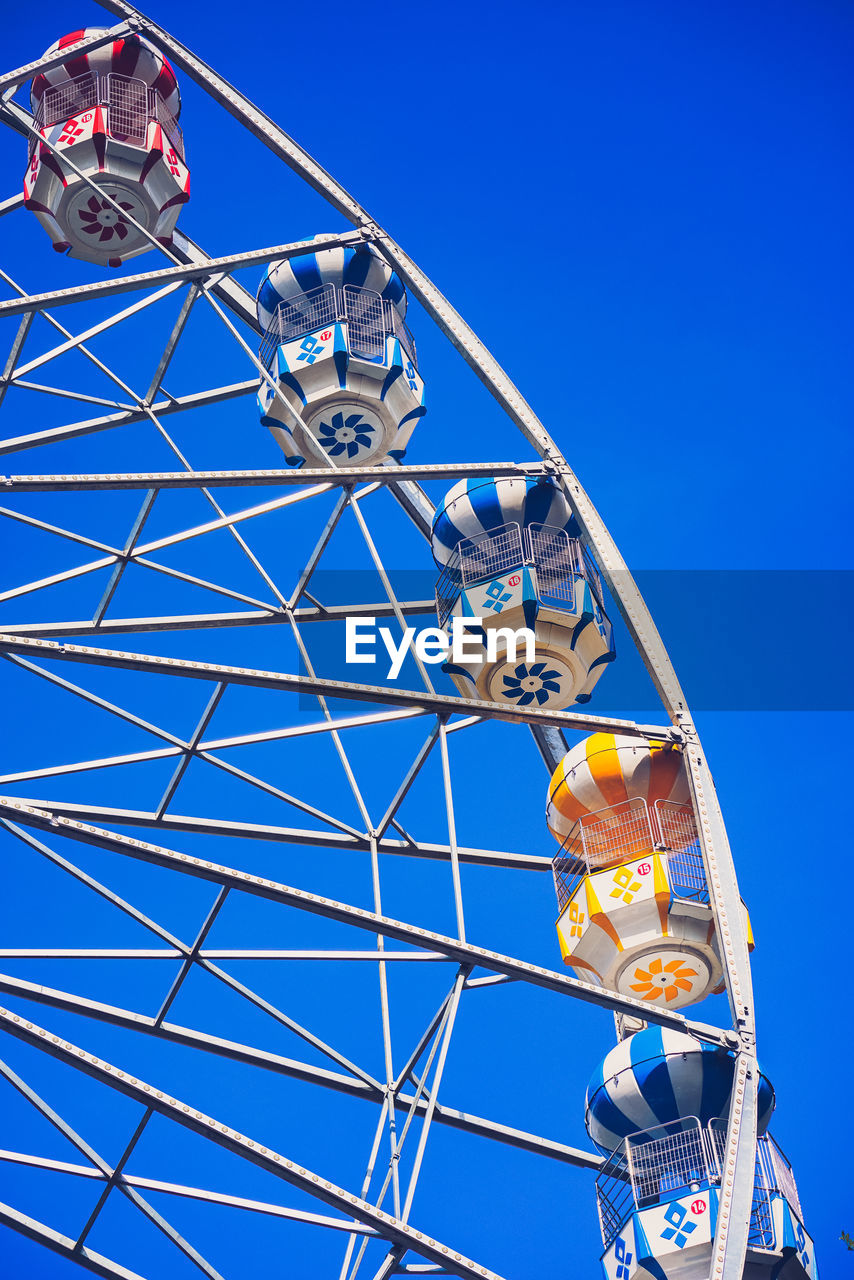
x: 209, y: 280
x: 131, y: 105
x: 688, y: 1155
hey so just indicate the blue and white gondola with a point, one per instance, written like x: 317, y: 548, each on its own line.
x: 658, y: 1107
x: 510, y: 557
x: 348, y: 390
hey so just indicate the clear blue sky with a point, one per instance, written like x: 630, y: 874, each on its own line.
x: 644, y: 211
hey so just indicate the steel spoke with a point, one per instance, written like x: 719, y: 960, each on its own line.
x: 249, y: 1149
x: 113, y: 1176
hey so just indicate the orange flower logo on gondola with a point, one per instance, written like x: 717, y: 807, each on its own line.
x: 663, y: 979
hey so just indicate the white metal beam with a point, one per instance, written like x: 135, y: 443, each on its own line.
x: 210, y: 953
x: 189, y: 1193
x: 308, y: 1073
x: 440, y: 704
x: 316, y: 904
x: 167, y: 275
x: 112, y: 1174
x: 58, y: 1243
x: 48, y: 61
x: 287, y: 835
x: 200, y: 621
x: 252, y: 1150
x: 276, y: 476
x: 128, y: 417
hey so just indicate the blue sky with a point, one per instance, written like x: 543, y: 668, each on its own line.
x: 642, y: 209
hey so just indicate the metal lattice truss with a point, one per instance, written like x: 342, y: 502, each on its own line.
x: 376, y: 1214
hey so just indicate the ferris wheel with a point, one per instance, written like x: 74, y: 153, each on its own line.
x: 255, y: 927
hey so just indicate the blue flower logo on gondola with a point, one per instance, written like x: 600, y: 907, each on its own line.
x: 529, y: 684
x: 348, y: 435
x: 623, y: 1259
x: 679, y: 1230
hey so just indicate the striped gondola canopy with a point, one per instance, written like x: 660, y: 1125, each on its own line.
x: 360, y: 267
x: 608, y: 769
x: 130, y: 56
x: 474, y: 507
x: 659, y: 1076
